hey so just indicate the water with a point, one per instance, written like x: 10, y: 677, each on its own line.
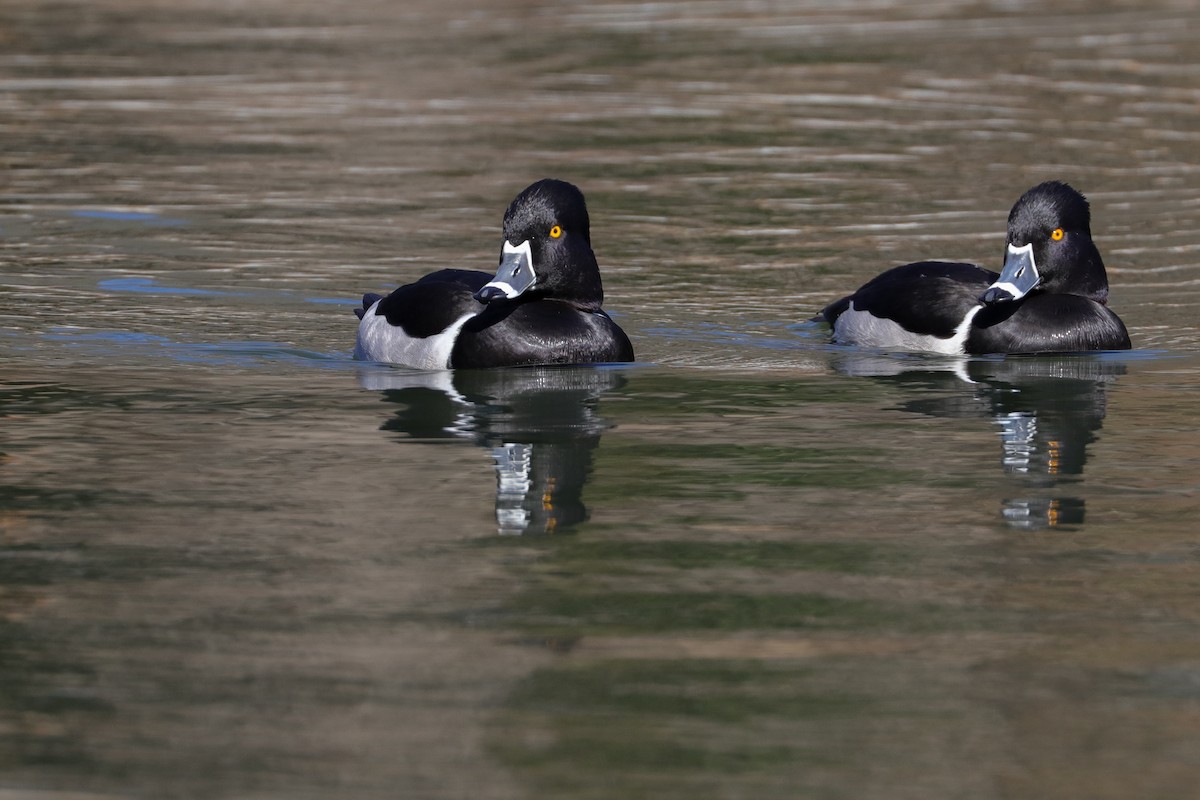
x: 235, y: 563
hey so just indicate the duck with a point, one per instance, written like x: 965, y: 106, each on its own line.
x: 542, y: 306
x: 1050, y: 296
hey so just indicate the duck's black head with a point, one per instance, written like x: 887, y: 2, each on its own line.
x: 547, y: 248
x: 544, y: 204
x: 1049, y: 247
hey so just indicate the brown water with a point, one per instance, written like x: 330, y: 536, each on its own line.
x: 236, y: 564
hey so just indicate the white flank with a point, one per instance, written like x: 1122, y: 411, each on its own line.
x: 863, y: 329
x: 379, y: 340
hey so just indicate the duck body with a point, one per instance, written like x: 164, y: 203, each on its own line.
x: 1050, y: 296
x: 542, y: 306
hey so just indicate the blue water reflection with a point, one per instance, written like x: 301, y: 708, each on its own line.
x: 151, y: 286
x: 138, y: 217
x: 540, y: 424
x: 1046, y: 411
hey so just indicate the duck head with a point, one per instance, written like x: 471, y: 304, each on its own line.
x: 547, y: 248
x: 1049, y: 248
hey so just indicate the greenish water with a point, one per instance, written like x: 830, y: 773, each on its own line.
x: 235, y: 563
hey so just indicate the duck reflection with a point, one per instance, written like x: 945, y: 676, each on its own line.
x: 1046, y: 409
x: 540, y: 424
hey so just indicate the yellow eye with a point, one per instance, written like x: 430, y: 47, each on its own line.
x: 556, y: 232
x: 1057, y: 234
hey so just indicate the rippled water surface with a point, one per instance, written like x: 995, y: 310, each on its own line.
x: 236, y: 563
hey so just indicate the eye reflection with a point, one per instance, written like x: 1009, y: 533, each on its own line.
x: 539, y: 424
x: 1046, y: 410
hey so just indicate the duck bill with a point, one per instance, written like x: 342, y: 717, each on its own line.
x: 514, y: 276
x: 1017, y: 279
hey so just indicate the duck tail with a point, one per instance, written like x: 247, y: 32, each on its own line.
x: 831, y: 312
x: 369, y: 299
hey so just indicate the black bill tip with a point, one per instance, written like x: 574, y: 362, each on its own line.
x: 995, y: 295
x: 490, y: 293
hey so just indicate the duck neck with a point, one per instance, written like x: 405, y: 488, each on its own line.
x: 582, y: 289
x: 1092, y: 279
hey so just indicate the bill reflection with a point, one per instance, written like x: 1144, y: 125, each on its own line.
x: 540, y: 425
x: 1046, y: 411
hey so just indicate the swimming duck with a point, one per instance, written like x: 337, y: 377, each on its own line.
x: 1050, y: 296
x: 542, y: 306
